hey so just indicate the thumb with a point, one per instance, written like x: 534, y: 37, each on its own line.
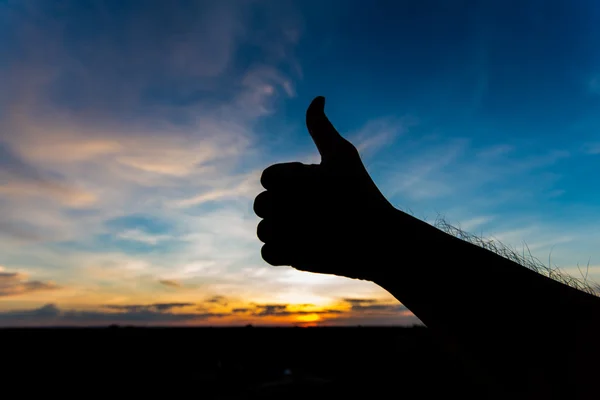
x: 329, y: 142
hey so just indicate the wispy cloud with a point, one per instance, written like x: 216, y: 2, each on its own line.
x: 455, y: 168
x: 140, y: 236
x: 494, y: 151
x: 472, y: 224
x: 374, y: 305
x: 218, y: 299
x: 419, y: 176
x: 170, y: 283
x: 243, y: 186
x: 20, y: 180
x: 378, y: 133
x: 591, y: 148
x: 16, y: 284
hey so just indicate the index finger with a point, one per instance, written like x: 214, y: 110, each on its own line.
x: 286, y: 175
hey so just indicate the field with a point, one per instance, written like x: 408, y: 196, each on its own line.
x: 233, y: 363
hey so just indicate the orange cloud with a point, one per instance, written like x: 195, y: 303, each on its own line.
x: 14, y: 284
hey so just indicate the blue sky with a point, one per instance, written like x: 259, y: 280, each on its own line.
x: 133, y: 135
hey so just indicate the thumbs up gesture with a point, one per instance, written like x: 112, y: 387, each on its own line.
x: 327, y: 218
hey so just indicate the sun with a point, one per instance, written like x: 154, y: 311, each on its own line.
x: 308, y: 318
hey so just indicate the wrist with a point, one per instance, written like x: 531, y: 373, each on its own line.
x: 409, y: 251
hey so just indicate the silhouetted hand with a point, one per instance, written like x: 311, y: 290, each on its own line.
x: 331, y: 218
x: 327, y: 218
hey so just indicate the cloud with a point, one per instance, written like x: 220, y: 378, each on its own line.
x: 358, y: 307
x: 46, y: 311
x: 197, y: 46
x: 147, y: 307
x: 15, y: 284
x: 158, y: 155
x: 435, y: 172
x: 378, y: 133
x: 18, y: 179
x: 415, y: 179
x: 67, y: 195
x: 470, y: 224
x: 52, y: 315
x: 374, y: 305
x: 591, y: 148
x: 261, y: 85
x: 279, y: 310
x: 271, y: 309
x: 137, y: 235
x: 373, y: 319
x: 243, y: 186
x: 354, y: 302
x: 219, y: 300
x: 170, y: 283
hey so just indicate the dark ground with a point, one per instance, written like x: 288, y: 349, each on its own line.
x: 232, y: 363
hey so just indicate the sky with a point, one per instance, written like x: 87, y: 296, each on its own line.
x: 133, y: 135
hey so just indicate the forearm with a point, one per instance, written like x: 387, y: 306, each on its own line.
x: 501, y: 314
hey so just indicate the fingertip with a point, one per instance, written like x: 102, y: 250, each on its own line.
x: 317, y: 104
x: 262, y: 204
x: 315, y: 109
x: 270, y: 176
x: 280, y: 175
x: 272, y: 255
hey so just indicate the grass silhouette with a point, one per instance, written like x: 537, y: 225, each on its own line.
x: 523, y: 258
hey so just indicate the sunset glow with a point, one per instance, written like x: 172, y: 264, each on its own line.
x: 133, y: 136
x: 308, y: 318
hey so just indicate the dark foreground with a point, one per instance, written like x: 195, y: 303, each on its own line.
x: 232, y: 363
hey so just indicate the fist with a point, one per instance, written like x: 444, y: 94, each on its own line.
x: 328, y: 217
